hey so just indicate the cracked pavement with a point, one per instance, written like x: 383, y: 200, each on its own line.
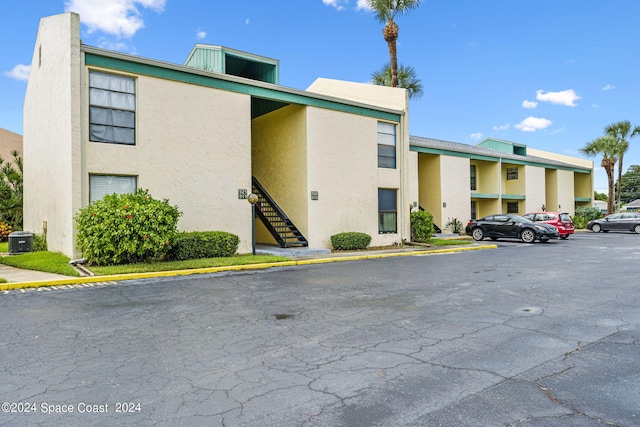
x: 522, y: 335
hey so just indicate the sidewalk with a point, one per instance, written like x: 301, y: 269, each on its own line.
x: 18, y: 278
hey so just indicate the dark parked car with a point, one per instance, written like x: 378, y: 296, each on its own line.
x: 560, y: 220
x: 510, y: 226
x: 629, y: 221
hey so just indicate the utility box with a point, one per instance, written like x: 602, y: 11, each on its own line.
x: 20, y: 242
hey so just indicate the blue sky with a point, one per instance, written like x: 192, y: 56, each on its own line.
x: 546, y: 73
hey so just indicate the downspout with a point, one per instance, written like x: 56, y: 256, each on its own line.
x: 403, y: 171
x: 500, y: 184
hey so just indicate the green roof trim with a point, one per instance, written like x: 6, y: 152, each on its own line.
x: 484, y: 196
x: 182, y: 74
x: 505, y: 161
x: 427, y: 150
x: 582, y: 199
x: 514, y: 197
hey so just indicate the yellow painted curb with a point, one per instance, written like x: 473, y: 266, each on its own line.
x: 150, y: 275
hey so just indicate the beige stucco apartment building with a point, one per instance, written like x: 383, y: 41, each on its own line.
x: 335, y: 157
x: 98, y: 122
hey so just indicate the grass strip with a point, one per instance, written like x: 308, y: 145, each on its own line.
x: 150, y: 267
x: 50, y: 262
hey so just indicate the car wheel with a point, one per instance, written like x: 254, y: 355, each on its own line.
x: 637, y: 228
x: 477, y: 234
x: 564, y: 236
x: 596, y: 228
x: 528, y: 236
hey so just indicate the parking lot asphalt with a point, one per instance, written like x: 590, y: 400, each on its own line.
x: 18, y: 278
x: 523, y: 335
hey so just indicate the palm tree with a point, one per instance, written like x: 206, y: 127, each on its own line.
x: 386, y: 11
x: 621, y: 131
x: 407, y: 79
x: 607, y: 146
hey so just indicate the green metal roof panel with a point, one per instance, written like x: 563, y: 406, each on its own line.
x: 234, y: 62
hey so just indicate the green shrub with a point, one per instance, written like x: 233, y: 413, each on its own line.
x: 455, y: 225
x: 126, y: 228
x: 584, y: 214
x: 579, y: 221
x: 421, y: 226
x: 202, y: 244
x: 350, y: 240
x: 588, y: 212
x: 39, y: 242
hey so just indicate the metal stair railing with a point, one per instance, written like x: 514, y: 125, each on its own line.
x: 275, y: 220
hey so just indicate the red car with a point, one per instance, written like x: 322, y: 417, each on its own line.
x: 560, y: 220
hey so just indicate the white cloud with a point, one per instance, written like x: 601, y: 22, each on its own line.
x: 247, y: 21
x: 608, y: 87
x: 557, y: 131
x: 19, y: 72
x: 532, y: 124
x: 565, y: 97
x: 362, y: 5
x: 477, y: 135
x: 200, y: 34
x: 595, y: 106
x: 338, y: 4
x: 501, y: 127
x: 120, y: 18
x: 529, y: 104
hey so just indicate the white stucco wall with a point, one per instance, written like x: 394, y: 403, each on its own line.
x: 535, y: 185
x: 343, y: 168
x: 52, y: 136
x: 572, y: 160
x: 456, y: 192
x: 193, y: 148
x: 566, y: 196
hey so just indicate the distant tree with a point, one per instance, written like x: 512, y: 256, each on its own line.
x: 599, y: 196
x: 11, y: 179
x: 607, y: 147
x: 407, y: 79
x: 621, y: 131
x: 630, y: 187
x: 386, y: 11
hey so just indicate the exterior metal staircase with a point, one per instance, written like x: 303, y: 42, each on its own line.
x: 276, y: 221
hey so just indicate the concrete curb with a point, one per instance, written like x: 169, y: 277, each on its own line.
x: 173, y: 273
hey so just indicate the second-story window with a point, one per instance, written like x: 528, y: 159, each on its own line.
x: 512, y: 173
x: 112, y: 108
x: 472, y: 175
x: 386, y: 145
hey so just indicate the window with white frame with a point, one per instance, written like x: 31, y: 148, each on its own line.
x: 387, y: 145
x: 112, y: 108
x: 101, y: 185
x: 387, y: 210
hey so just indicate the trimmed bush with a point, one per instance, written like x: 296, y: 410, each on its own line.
x: 202, y: 244
x: 421, y: 226
x: 350, y: 240
x: 584, y: 214
x: 126, y: 228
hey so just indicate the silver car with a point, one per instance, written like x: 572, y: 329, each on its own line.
x: 629, y: 221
